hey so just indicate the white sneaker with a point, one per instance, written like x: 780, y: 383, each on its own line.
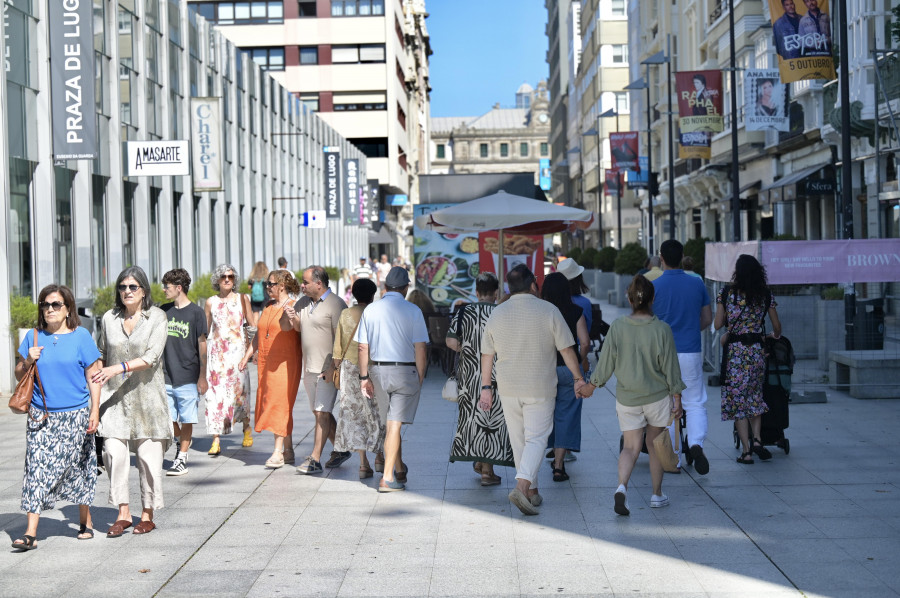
x: 179, y: 467
x: 659, y: 501
x: 621, y: 501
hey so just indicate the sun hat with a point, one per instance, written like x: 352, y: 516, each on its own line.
x: 569, y: 268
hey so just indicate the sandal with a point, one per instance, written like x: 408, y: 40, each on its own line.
x: 379, y: 465
x: 276, y: 462
x: 400, y: 476
x: 85, y: 531
x: 761, y: 451
x: 24, y: 543
x: 118, y: 528
x: 365, y: 472
x: 144, y: 527
x: 490, y: 479
x: 248, y: 438
x: 476, y: 465
x: 215, y: 449
x: 560, y: 475
x: 746, y: 458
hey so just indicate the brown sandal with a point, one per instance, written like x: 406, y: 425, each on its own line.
x: 490, y: 479
x: 144, y: 527
x: 118, y: 528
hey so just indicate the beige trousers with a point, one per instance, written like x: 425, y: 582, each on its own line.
x: 529, y: 423
x: 117, y: 459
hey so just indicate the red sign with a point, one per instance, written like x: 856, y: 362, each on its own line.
x: 517, y: 249
x: 624, y: 150
x: 613, y: 180
x: 700, y: 101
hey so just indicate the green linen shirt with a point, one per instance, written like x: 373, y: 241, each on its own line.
x: 641, y: 353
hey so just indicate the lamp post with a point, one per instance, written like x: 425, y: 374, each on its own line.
x: 735, y: 169
x: 658, y: 59
x: 596, y: 131
x: 609, y: 114
x: 635, y: 85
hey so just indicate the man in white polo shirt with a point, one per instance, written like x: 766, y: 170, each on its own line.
x: 392, y: 337
x: 525, y: 332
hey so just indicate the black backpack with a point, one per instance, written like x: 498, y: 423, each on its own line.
x: 780, y: 353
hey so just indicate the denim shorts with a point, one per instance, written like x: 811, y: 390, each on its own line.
x: 183, y: 402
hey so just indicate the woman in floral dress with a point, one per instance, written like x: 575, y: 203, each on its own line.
x: 228, y: 397
x: 742, y: 307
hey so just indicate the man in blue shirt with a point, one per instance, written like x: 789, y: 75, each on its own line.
x: 683, y: 303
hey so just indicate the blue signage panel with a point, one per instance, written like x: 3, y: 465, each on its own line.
x: 545, y: 180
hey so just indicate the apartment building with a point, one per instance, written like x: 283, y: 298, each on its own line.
x: 559, y: 53
x: 362, y: 67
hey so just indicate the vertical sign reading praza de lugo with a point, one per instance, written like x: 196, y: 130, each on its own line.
x: 206, y: 144
x: 72, y: 107
x: 333, y: 183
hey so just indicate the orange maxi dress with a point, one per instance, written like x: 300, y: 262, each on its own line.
x: 279, y: 367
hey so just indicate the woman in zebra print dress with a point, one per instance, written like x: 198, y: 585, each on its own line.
x: 481, y: 436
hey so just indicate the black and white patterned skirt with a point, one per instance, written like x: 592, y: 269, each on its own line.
x: 60, y: 461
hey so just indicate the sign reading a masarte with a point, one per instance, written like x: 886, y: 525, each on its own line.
x: 158, y: 158
x: 72, y: 108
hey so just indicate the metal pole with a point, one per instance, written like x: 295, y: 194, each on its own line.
x: 599, y: 188
x: 735, y: 171
x: 649, y: 170
x: 846, y: 165
x: 671, y: 139
x: 619, y: 207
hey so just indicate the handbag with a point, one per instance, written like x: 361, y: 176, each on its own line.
x: 662, y: 445
x: 450, y: 391
x: 336, y: 375
x: 249, y: 331
x: 20, y: 401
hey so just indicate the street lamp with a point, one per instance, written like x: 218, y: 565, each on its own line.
x: 636, y: 85
x: 609, y: 114
x: 658, y: 59
x: 594, y: 131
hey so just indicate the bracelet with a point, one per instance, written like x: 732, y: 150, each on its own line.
x: 366, y: 377
x: 124, y: 367
x: 487, y: 387
x: 577, y: 379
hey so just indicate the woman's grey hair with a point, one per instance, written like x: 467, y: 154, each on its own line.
x: 138, y: 274
x: 220, y: 271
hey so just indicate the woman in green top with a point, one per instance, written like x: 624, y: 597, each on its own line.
x: 640, y: 351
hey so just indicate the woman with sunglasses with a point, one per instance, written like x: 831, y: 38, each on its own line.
x: 134, y: 410
x: 227, y: 399
x: 60, y: 462
x: 280, y: 357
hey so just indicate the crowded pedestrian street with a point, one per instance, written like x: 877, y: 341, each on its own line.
x: 821, y: 521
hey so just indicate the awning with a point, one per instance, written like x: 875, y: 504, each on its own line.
x: 794, y: 177
x: 749, y: 186
x: 382, y: 237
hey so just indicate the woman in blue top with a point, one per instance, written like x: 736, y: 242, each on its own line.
x: 60, y: 461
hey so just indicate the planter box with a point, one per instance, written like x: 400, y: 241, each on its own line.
x: 798, y: 315
x: 829, y: 329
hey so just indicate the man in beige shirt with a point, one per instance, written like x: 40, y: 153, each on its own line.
x: 524, y: 333
x: 320, y: 310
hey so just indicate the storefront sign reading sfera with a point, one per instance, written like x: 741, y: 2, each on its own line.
x: 206, y: 143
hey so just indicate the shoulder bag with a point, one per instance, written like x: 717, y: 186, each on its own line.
x: 336, y: 375
x: 450, y: 391
x: 249, y: 331
x: 20, y: 401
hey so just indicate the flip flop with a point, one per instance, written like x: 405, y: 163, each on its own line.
x: 118, y: 528
x: 84, y: 530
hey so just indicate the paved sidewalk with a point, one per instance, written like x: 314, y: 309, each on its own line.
x: 822, y: 521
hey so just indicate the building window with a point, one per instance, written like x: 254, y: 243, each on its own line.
x: 441, y: 151
x: 309, y: 55
x: 618, y: 8
x: 360, y: 101
x: 307, y: 8
x: 401, y: 116
x: 268, y: 59
x: 545, y: 150
x: 483, y: 150
x: 504, y: 150
x: 310, y: 100
x: 357, y: 8
x: 357, y: 54
x: 620, y: 54
x: 622, y: 105
x: 372, y: 147
x: 242, y: 13
x: 523, y: 150
x: 401, y: 157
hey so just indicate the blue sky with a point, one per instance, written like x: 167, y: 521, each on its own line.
x: 483, y: 51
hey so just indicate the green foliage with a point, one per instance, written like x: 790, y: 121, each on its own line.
x: 587, y: 257
x: 244, y: 288
x: 575, y: 254
x: 833, y: 293
x: 157, y: 294
x: 606, y: 259
x: 333, y: 274
x: 105, y: 297
x: 630, y: 259
x: 201, y: 288
x: 696, y: 248
x: 23, y: 313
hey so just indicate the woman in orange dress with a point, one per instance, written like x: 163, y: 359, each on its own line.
x: 278, y: 365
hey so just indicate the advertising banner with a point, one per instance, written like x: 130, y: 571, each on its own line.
x: 765, y: 101
x: 721, y: 257
x: 517, y: 249
x: 838, y: 261
x: 373, y: 209
x: 623, y: 147
x: 694, y: 145
x: 544, y: 175
x: 73, y: 116
x: 362, y: 219
x: 446, y: 264
x: 351, y: 191
x: 613, y: 179
x: 639, y: 180
x: 333, y: 183
x: 802, y: 30
x: 699, y: 101
x: 206, y: 144
x: 158, y: 158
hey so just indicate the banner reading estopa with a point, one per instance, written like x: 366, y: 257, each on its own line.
x: 206, y: 144
x: 72, y: 115
x: 764, y: 101
x: 802, y: 30
x: 699, y: 101
x: 623, y: 147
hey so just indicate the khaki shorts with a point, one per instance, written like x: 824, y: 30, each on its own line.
x: 655, y: 414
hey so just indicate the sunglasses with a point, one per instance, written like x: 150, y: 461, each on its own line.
x: 55, y: 305
x: 227, y: 277
x: 129, y: 287
x: 270, y: 284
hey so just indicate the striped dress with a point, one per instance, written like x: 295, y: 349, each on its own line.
x: 480, y: 435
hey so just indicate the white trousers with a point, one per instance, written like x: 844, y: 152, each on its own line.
x: 529, y: 423
x: 693, y: 398
x: 117, y: 459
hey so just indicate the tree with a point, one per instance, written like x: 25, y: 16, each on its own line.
x: 630, y: 259
x: 696, y: 248
x: 606, y: 259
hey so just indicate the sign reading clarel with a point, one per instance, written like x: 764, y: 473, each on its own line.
x: 158, y: 158
x: 333, y: 183
x: 206, y: 143
x: 72, y: 106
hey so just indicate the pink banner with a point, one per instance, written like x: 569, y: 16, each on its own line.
x: 851, y: 260
x: 720, y: 258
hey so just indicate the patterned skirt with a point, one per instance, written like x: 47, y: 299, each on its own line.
x: 359, y: 426
x: 60, y: 461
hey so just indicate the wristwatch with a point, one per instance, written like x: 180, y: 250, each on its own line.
x: 361, y: 377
